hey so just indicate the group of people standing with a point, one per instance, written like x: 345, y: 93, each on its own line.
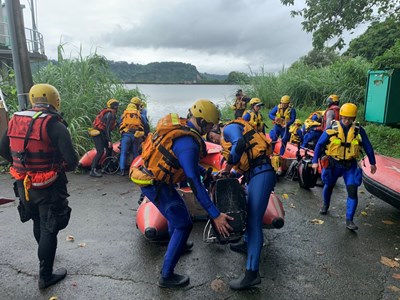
x: 338, y: 142
x: 39, y: 146
x: 133, y: 127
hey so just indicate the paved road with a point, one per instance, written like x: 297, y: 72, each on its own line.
x: 109, y: 259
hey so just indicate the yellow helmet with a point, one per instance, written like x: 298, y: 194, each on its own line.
x: 131, y: 106
x: 332, y: 99
x: 348, y: 110
x: 297, y: 122
x: 285, y: 99
x: 44, y: 93
x: 112, y: 103
x: 206, y: 110
x: 136, y: 100
x: 255, y: 101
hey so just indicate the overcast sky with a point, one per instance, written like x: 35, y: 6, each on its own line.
x: 217, y: 36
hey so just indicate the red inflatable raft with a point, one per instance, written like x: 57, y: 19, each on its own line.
x: 154, y: 226
x: 86, y: 160
x: 384, y: 184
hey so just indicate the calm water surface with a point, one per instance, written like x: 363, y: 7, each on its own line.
x: 166, y: 98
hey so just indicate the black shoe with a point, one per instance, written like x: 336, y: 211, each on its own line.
x: 247, y: 280
x: 57, y: 276
x: 324, y: 210
x: 122, y: 173
x: 174, y: 280
x: 94, y: 173
x: 141, y: 197
x: 350, y: 225
x: 188, y: 246
x: 240, y: 247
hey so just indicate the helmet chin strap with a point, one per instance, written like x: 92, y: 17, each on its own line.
x: 201, y: 124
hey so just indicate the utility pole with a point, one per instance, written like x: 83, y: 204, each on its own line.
x: 21, y: 63
x: 34, y: 27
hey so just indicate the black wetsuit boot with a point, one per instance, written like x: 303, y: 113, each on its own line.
x: 247, y: 280
x: 47, y: 277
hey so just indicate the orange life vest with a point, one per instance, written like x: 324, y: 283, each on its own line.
x: 257, y: 147
x: 35, y: 158
x: 131, y: 121
x: 157, y: 153
x: 99, y: 122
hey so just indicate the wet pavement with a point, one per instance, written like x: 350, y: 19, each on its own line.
x: 109, y: 259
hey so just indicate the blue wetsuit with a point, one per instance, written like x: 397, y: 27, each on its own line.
x: 171, y: 205
x: 352, y: 174
x: 131, y: 144
x: 279, y: 131
x: 261, y: 182
x: 312, y: 135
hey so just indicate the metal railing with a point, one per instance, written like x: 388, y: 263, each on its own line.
x: 34, y: 39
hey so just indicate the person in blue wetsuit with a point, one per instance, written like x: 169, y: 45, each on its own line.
x: 283, y: 115
x: 173, y: 160
x: 133, y: 126
x: 254, y: 116
x: 247, y: 152
x: 312, y: 129
x: 343, y: 141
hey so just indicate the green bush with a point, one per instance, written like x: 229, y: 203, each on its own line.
x: 310, y: 86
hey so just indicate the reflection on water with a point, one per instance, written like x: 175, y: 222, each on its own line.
x: 166, y: 98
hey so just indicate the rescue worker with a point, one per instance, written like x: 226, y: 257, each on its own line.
x: 171, y: 155
x: 296, y: 134
x: 214, y: 136
x: 239, y: 105
x: 132, y: 132
x: 143, y: 113
x: 283, y: 115
x: 247, y: 152
x: 104, y: 123
x: 332, y: 112
x: 254, y: 116
x: 39, y: 146
x: 312, y: 129
x: 342, y: 142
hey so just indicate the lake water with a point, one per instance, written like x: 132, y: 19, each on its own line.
x: 178, y: 98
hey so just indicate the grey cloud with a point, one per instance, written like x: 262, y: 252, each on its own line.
x: 241, y: 28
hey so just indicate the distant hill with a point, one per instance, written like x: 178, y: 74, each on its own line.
x: 162, y: 72
x: 156, y: 72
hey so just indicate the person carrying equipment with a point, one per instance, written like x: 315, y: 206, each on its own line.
x: 171, y: 155
x: 283, y: 115
x: 342, y: 142
x: 247, y: 152
x: 39, y: 146
x: 254, y: 116
x: 103, y: 124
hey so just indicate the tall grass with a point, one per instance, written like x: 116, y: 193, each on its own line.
x: 85, y: 85
x: 310, y: 86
